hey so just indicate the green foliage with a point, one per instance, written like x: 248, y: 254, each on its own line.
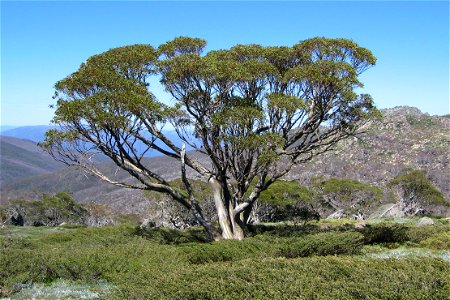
x: 384, y: 233
x: 137, y: 268
x: 419, y: 234
x: 182, y: 45
x: 437, y: 241
x: 170, y: 236
x: 49, y: 211
x: 326, y: 243
x: 230, y: 250
x: 352, y: 196
x: 416, y: 185
x: 284, y: 193
x: 346, y: 189
x: 287, y: 201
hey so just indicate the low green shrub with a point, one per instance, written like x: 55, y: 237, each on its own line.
x: 49, y: 211
x: 384, y: 233
x: 306, y: 278
x: 138, y: 268
x: 284, y: 230
x: 418, y: 234
x: 438, y: 241
x: 232, y: 250
x: 321, y: 244
x: 171, y: 236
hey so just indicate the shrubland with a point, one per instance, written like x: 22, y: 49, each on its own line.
x: 281, y: 259
x: 321, y: 260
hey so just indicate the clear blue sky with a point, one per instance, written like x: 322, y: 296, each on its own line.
x: 42, y: 42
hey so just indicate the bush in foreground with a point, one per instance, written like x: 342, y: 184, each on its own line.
x: 137, y: 268
x: 321, y: 244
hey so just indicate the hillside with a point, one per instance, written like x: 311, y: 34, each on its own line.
x: 404, y: 137
x: 22, y: 158
x: 87, y: 188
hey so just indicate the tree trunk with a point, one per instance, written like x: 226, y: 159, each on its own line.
x: 232, y: 227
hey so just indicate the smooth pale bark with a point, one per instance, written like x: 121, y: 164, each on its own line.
x: 231, y: 225
x: 222, y: 213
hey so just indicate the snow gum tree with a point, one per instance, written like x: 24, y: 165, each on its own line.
x: 254, y: 112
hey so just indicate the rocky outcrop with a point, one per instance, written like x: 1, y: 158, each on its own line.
x: 404, y: 137
x: 339, y: 214
x: 425, y: 221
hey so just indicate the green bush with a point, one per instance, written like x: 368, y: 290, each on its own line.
x: 422, y: 121
x: 416, y: 185
x: 321, y: 244
x: 284, y: 230
x: 283, y: 193
x: 439, y: 241
x: 49, y: 211
x: 384, y: 233
x: 170, y: 236
x: 418, y: 234
x: 231, y: 250
x: 347, y: 189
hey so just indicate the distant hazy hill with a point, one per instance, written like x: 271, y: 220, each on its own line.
x: 405, y: 137
x: 87, y: 188
x: 32, y: 133
x: 37, y: 134
x: 21, y: 158
x: 6, y: 127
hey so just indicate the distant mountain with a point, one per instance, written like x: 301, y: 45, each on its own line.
x: 404, y: 137
x: 32, y: 133
x: 22, y: 158
x: 6, y: 127
x: 87, y: 188
x: 37, y: 134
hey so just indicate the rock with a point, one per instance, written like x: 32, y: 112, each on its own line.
x: 339, y: 214
x: 16, y: 216
x: 360, y: 224
x: 425, y: 221
x: 99, y: 221
x: 147, y: 223
x: 386, y: 211
x: 359, y: 216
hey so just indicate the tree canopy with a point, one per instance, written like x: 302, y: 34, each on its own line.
x: 253, y: 111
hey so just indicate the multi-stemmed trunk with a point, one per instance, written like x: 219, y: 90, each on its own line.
x: 233, y: 225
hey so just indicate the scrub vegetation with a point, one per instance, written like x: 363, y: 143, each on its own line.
x: 326, y: 260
